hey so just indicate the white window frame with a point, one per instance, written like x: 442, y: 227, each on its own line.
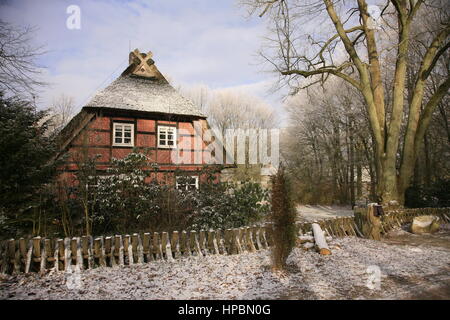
x: 123, y: 144
x: 177, y: 185
x: 166, y: 129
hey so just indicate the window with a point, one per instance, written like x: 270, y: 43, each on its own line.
x: 123, y: 134
x: 186, y: 182
x: 167, y: 137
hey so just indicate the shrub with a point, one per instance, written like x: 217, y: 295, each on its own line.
x: 124, y: 199
x: 283, y: 215
x: 230, y: 205
x: 26, y: 148
x: 435, y: 195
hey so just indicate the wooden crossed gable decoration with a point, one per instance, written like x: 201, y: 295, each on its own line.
x: 142, y: 64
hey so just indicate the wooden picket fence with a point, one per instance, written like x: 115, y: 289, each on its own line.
x: 41, y: 254
x: 396, y: 218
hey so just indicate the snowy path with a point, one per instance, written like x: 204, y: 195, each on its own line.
x: 342, y: 275
x: 316, y: 212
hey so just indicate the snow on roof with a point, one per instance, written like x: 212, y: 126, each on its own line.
x: 141, y: 87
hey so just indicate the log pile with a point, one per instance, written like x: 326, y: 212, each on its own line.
x: 315, y: 239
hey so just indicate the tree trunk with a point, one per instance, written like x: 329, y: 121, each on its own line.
x: 369, y: 222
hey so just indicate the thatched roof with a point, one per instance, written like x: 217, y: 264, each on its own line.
x: 141, y: 87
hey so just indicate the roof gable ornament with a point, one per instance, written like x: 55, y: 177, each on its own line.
x: 142, y: 65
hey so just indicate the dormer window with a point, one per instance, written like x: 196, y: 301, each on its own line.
x: 123, y: 134
x: 167, y: 137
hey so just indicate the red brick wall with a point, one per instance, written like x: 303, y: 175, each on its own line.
x: 97, y: 138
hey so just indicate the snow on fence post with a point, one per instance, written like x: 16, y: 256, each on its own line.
x: 29, y: 256
x: 56, y: 255
x: 80, y: 263
x: 195, y: 247
x: 266, y: 236
x: 249, y: 239
x: 99, y: 251
x: 84, y: 250
x: 113, y: 252
x: 165, y: 244
x: 119, y: 250
x: 175, y: 244
x: 36, y: 250
x: 67, y: 259
x: 236, y: 244
x: 202, y: 243
x: 140, y: 250
x: 184, y: 244
x: 220, y: 239
x: 61, y: 261
x: 135, y: 248
x: 228, y: 240
x: 73, y: 250
x: 128, y: 249
x: 242, y: 239
x: 212, y: 242
x: 109, y: 256
x: 255, y: 232
x: 157, y: 250
x: 17, y: 259
x: 45, y: 252
x: 126, y: 244
x: 90, y: 251
x: 146, y: 247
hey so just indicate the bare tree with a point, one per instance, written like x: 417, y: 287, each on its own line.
x: 231, y: 108
x: 199, y: 94
x: 349, y: 45
x: 327, y: 145
x: 62, y: 109
x: 19, y: 72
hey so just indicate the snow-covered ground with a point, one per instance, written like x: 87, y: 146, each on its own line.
x: 351, y: 272
x: 318, y: 212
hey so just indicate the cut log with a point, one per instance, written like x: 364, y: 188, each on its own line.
x: 303, y: 239
x: 319, y: 238
x: 425, y: 224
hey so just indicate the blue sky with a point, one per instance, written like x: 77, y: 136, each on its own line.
x: 193, y: 42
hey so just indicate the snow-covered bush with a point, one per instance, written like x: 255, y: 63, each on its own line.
x: 230, y: 205
x: 124, y: 197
